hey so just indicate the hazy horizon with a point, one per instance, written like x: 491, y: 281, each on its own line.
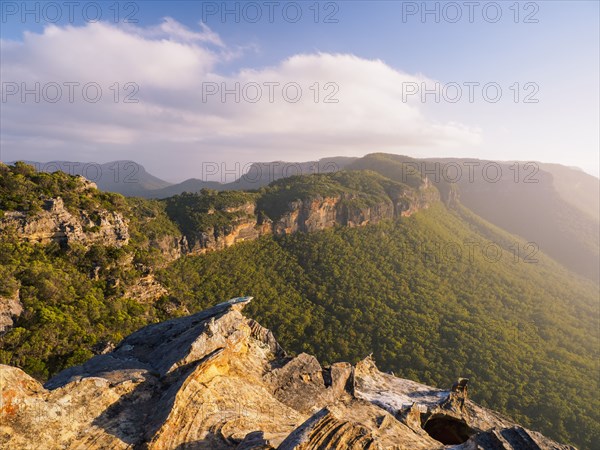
x: 243, y: 166
x: 173, y: 85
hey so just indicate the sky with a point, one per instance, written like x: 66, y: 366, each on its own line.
x: 178, y: 85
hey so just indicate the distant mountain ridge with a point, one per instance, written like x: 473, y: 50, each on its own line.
x: 577, y: 187
x: 553, y: 206
x: 123, y: 176
x: 131, y: 178
x: 519, y: 197
x: 259, y: 174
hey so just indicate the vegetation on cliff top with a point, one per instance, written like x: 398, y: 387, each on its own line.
x: 358, y: 188
x: 207, y: 209
x: 24, y: 189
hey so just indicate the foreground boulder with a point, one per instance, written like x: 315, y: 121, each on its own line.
x: 218, y: 380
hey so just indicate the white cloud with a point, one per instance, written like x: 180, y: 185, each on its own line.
x: 171, y: 29
x: 170, y: 64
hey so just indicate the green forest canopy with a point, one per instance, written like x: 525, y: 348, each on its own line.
x: 526, y: 332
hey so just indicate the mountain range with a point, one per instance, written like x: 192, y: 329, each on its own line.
x: 381, y: 257
x: 553, y: 206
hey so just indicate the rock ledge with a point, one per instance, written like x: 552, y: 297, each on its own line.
x: 218, y: 380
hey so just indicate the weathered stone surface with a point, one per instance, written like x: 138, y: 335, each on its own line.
x: 146, y: 290
x: 217, y: 380
x: 10, y: 308
x: 512, y: 438
x: 308, y: 215
x: 326, y: 212
x: 56, y: 224
x: 299, y: 384
x: 247, y: 227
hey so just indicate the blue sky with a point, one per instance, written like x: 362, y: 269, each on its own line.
x: 558, y: 55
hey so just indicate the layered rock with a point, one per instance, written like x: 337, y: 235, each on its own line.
x: 146, y: 290
x: 56, y: 224
x: 248, y: 226
x: 218, y: 380
x: 311, y: 214
x: 320, y: 213
x: 351, y: 210
x: 10, y: 308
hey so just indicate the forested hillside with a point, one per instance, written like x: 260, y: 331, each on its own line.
x: 433, y: 296
x: 524, y: 331
x: 551, y: 209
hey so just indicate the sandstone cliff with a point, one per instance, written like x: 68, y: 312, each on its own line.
x: 225, y: 226
x: 246, y: 224
x: 310, y: 214
x: 10, y: 307
x: 56, y: 224
x: 218, y: 380
x: 349, y: 210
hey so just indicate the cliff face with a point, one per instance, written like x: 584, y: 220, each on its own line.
x: 232, y: 224
x: 223, y: 227
x: 248, y: 226
x: 350, y: 210
x: 311, y: 214
x: 10, y: 307
x: 56, y: 224
x: 326, y: 212
x: 218, y: 380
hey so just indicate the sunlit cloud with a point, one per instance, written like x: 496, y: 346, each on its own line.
x: 165, y: 87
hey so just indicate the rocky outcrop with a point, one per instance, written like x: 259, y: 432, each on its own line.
x: 217, y: 380
x: 312, y: 214
x: 146, y: 290
x: 220, y: 238
x: 351, y: 210
x: 56, y: 224
x: 247, y: 226
x: 245, y: 223
x: 10, y: 307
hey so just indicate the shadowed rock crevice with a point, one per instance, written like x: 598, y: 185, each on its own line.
x: 448, y: 430
x: 136, y: 417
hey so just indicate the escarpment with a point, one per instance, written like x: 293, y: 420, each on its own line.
x: 55, y: 223
x: 237, y: 224
x: 218, y: 380
x: 120, y: 244
x: 280, y: 213
x: 10, y: 308
x: 208, y: 220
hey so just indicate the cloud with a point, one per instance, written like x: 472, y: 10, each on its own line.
x: 188, y: 105
x: 171, y: 29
